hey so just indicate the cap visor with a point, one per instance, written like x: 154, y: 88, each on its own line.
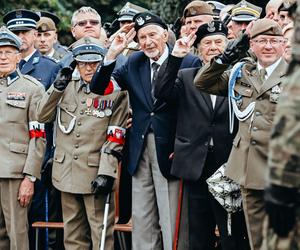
x: 89, y: 58
x: 125, y: 18
x: 243, y: 18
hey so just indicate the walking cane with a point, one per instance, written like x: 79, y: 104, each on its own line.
x: 178, y: 216
x: 104, y: 226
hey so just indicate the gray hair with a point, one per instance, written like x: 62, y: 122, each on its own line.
x: 84, y: 10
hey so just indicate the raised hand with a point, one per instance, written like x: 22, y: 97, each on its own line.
x: 120, y: 42
x: 183, y: 45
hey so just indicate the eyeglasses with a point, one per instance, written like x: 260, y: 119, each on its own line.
x: 272, y: 41
x: 83, y: 23
x: 8, y: 53
x: 84, y: 64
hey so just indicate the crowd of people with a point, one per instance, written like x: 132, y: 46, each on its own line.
x: 202, y: 114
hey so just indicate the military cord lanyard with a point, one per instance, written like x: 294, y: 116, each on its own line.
x: 71, y: 124
x: 232, y: 99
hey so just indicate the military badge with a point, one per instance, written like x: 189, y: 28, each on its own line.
x: 275, y: 93
x: 16, y: 96
x: 140, y: 21
x: 211, y: 27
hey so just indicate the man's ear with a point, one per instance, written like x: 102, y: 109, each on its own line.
x: 73, y: 31
x: 165, y: 35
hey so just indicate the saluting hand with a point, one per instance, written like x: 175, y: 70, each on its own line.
x: 25, y: 192
x: 183, y: 45
x: 120, y: 42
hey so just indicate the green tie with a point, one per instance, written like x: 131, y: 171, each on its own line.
x: 262, y: 74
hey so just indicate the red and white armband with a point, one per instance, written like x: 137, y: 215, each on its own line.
x: 36, y: 130
x: 116, y: 134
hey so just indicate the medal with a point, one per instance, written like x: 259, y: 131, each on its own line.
x: 89, y: 102
x: 96, y: 104
x: 108, y: 110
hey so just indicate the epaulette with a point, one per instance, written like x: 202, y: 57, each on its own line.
x: 33, y: 80
x: 50, y: 58
x: 53, y: 59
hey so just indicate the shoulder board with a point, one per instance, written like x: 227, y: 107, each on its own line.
x: 33, y: 80
x: 50, y: 58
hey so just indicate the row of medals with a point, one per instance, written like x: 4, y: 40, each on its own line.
x: 101, y: 109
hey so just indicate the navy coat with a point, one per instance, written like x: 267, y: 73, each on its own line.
x: 135, y: 76
x: 42, y: 68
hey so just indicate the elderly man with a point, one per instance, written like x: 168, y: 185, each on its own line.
x: 23, y: 143
x: 254, y: 92
x: 151, y: 139
x: 90, y: 135
x: 23, y: 24
x: 203, y: 152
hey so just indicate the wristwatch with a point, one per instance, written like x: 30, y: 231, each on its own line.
x: 31, y: 178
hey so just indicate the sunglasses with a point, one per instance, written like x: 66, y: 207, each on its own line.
x: 84, y: 23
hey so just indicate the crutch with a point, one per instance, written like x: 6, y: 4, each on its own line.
x: 104, y: 225
x: 178, y: 216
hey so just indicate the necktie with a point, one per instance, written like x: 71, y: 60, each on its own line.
x: 21, y: 64
x: 155, y: 67
x: 262, y: 74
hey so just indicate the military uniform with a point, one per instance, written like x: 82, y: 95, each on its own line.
x: 80, y: 154
x: 22, y: 151
x: 255, y: 102
x: 89, y: 128
x: 284, y: 160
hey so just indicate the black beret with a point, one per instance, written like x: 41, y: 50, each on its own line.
x: 209, y: 29
x: 146, y: 18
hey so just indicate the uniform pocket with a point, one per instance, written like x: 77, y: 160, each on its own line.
x: 16, y: 103
x: 18, y: 148
x: 93, y: 160
x: 59, y: 157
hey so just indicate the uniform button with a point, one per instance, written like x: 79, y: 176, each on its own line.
x: 81, y: 112
x: 254, y: 128
x: 152, y: 113
x: 79, y: 123
x: 206, y: 143
x: 76, y: 146
x: 143, y: 136
x: 75, y: 157
x: 77, y: 135
x: 257, y: 113
x: 253, y: 142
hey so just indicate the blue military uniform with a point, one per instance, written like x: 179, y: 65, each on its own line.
x: 43, y: 68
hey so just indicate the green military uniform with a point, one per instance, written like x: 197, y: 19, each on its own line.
x: 255, y: 102
x: 284, y: 157
x: 83, y: 136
